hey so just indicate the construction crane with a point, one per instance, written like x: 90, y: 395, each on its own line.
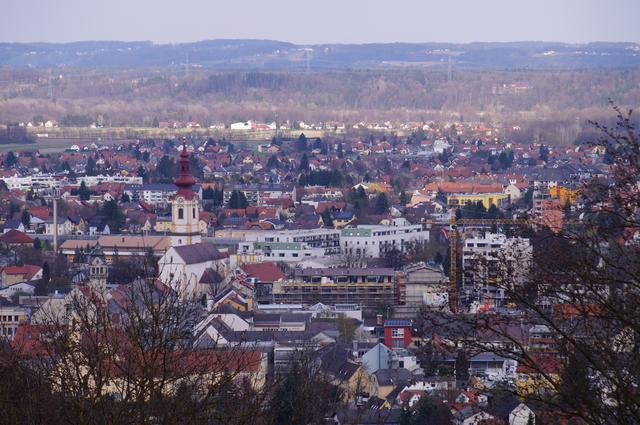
x: 454, y: 222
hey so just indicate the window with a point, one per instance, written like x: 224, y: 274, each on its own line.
x: 194, y: 213
x: 397, y: 333
x: 397, y: 343
x: 180, y: 213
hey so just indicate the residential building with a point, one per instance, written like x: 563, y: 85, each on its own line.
x: 11, y: 315
x: 15, y: 274
x: 365, y: 286
x: 156, y: 194
x: 493, y: 263
x: 397, y: 333
x: 291, y: 245
x: 374, y: 241
x: 260, y: 194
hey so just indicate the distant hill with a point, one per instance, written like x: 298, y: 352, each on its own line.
x: 274, y: 55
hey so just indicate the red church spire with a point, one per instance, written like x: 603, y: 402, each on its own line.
x: 185, y: 181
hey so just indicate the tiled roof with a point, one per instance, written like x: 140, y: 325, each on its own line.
x: 199, y: 253
x: 15, y: 237
x: 264, y: 272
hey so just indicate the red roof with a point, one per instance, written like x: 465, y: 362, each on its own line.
x: 541, y: 365
x: 264, y: 272
x: 27, y: 271
x: 15, y: 237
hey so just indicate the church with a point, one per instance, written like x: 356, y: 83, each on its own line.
x: 190, y: 265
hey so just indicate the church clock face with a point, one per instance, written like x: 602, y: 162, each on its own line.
x: 180, y: 200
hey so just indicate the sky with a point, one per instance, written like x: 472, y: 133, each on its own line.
x: 320, y: 21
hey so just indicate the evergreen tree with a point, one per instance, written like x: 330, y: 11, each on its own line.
x: 404, y: 199
x: 37, y: 245
x: 10, y: 159
x: 46, y: 273
x: 83, y: 192
x: 302, y: 142
x: 304, y: 163
x: 141, y: 172
x: 543, y: 153
x: 326, y: 218
x: 238, y: 200
x: 114, y: 216
x: 381, y: 204
x: 25, y: 218
x: 90, y: 168
x: 125, y: 198
x: 155, y: 122
x: 273, y: 162
x: 462, y: 366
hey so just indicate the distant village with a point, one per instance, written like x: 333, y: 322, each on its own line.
x: 341, y: 243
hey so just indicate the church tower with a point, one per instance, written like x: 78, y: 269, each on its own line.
x: 98, y: 270
x: 185, y: 207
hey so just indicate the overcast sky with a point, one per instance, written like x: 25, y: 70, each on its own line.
x: 321, y: 21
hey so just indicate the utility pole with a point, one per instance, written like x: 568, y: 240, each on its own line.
x: 55, y: 226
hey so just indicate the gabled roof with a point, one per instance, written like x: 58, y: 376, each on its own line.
x: 199, y: 253
x: 210, y: 276
x: 263, y: 272
x: 15, y: 237
x: 27, y: 271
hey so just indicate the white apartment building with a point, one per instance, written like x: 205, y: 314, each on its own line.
x: 291, y: 245
x: 374, y: 241
x: 36, y: 182
x: 52, y: 182
x: 493, y: 264
x: 157, y: 194
x: 117, y: 178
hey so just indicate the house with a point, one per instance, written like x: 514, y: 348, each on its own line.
x: 538, y: 377
x: 65, y: 226
x: 11, y: 315
x: 387, y: 380
x: 14, y: 238
x: 512, y: 411
x: 16, y: 274
x: 397, y: 333
x: 183, y: 266
x: 262, y: 276
x: 21, y: 288
x: 335, y: 360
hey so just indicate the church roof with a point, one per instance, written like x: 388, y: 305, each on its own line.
x: 199, y: 253
x: 210, y: 276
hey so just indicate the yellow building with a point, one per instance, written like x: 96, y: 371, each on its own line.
x: 498, y: 199
x: 564, y: 194
x: 10, y: 317
x: 540, y: 378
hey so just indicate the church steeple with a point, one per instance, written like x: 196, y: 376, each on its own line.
x: 185, y: 206
x: 185, y: 181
